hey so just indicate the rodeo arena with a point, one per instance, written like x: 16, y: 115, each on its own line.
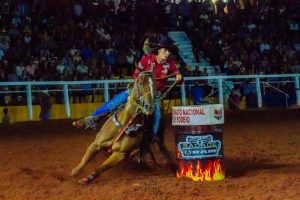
x: 149, y: 99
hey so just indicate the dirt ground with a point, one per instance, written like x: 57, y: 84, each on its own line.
x: 261, y: 148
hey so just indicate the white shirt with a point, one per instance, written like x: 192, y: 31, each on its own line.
x: 82, y: 69
x: 60, y: 69
x: 264, y: 47
x: 19, y: 70
x: 130, y: 59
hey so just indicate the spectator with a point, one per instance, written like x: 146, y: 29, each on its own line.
x: 19, y: 69
x: 77, y: 58
x: 296, y: 66
x: 234, y: 99
x: 110, y: 59
x: 1, y: 54
x: 121, y: 62
x: 94, y: 72
x: 4, y: 43
x: 196, y: 71
x: 24, y: 76
x: 103, y: 34
x: 205, y: 72
x: 82, y: 69
x: 264, y: 67
x: 197, y: 93
x: 69, y: 65
x: 60, y: 67
x: 73, y: 51
x: 228, y: 66
x: 5, y: 118
x: 59, y: 94
x: 77, y: 10
x: 30, y: 68
x: 45, y: 104
x: 85, y: 90
x: 86, y: 52
x: 75, y: 93
x: 146, y: 46
x: 248, y: 90
x: 130, y: 62
x: 264, y: 46
x: 248, y: 31
x: 12, y: 76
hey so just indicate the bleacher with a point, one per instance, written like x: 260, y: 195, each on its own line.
x: 183, y: 42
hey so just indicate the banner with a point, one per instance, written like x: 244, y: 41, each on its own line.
x: 199, y: 146
x: 197, y: 115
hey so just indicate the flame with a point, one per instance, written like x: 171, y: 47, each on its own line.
x: 178, y: 154
x: 212, y: 171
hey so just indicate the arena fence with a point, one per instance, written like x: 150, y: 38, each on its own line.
x: 218, y: 83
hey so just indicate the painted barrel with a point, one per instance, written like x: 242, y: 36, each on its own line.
x: 199, y: 141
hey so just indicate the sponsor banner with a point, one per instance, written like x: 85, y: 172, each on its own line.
x: 197, y: 115
x: 191, y: 147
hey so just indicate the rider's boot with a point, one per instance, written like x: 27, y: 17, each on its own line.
x: 87, y: 122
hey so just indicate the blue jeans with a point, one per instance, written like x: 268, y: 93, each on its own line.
x: 121, y: 98
x: 157, y: 114
x: 112, y: 104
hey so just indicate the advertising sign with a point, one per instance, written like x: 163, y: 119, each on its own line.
x: 199, y: 146
x: 197, y: 115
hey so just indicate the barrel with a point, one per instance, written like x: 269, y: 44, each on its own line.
x: 199, y: 141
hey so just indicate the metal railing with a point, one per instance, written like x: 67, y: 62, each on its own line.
x: 219, y: 80
x: 287, y: 96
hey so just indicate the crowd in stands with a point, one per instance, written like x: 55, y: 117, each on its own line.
x: 66, y: 40
x: 246, y: 38
x: 49, y: 40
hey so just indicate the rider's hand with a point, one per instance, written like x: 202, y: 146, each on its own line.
x: 163, y: 96
x: 164, y: 76
x: 178, y: 77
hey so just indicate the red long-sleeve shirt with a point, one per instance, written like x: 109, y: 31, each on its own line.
x: 149, y: 63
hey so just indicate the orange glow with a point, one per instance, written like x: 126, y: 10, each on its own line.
x: 178, y: 154
x: 212, y: 171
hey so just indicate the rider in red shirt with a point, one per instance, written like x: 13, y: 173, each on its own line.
x: 160, y: 69
x: 161, y: 66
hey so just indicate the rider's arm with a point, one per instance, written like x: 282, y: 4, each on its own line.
x: 136, y: 73
x: 175, y: 71
x: 142, y: 65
